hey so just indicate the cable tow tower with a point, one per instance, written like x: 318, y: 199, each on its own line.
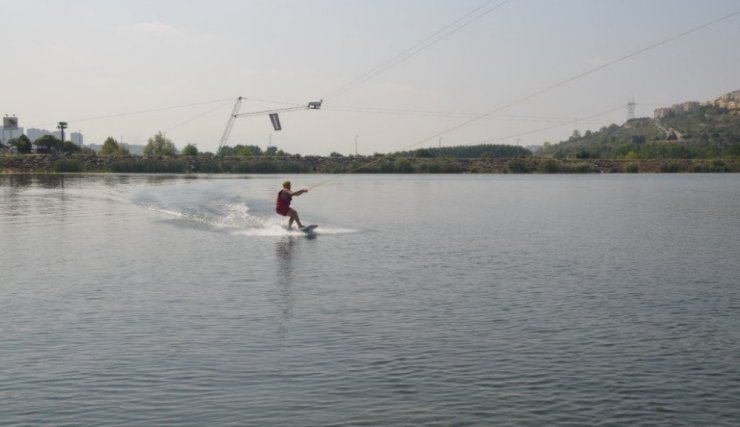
x: 313, y: 105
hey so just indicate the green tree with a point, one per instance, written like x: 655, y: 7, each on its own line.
x: 70, y: 147
x: 111, y: 147
x: 244, y: 151
x: 190, y: 150
x: 158, y: 145
x: 22, y: 143
x: 247, y: 150
x: 226, y: 151
x: 88, y: 151
x: 49, y: 142
x: 403, y: 165
x: 424, y: 153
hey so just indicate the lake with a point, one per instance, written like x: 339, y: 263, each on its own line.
x: 522, y: 300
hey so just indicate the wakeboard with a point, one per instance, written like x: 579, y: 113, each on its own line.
x: 309, y: 228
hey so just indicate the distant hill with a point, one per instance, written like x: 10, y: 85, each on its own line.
x: 684, y: 131
x: 707, y: 131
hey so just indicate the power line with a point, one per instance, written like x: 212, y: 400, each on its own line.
x: 268, y: 101
x: 276, y: 110
x: 133, y: 113
x: 445, y: 114
x: 160, y: 109
x: 578, y: 76
x: 548, y: 88
x: 430, y: 40
x: 579, y: 119
x: 220, y: 106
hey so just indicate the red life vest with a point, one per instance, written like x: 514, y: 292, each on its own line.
x: 282, y: 204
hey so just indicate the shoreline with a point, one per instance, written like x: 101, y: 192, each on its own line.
x: 208, y: 163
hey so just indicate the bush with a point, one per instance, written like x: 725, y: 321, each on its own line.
x: 190, y: 150
x: 550, y: 166
x: 553, y: 166
x: 713, y: 167
x: 582, y: 168
x: 404, y: 166
x: 517, y: 166
x: 144, y: 165
x: 670, y: 167
x: 268, y: 166
x: 430, y: 167
x: 68, y: 165
x: 631, y: 167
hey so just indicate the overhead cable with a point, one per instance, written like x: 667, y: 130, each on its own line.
x: 153, y: 110
x: 218, y: 107
x: 578, y: 76
x: 547, y: 89
x: 445, y: 114
x: 579, y: 119
x: 430, y: 40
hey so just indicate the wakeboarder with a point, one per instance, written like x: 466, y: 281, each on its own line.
x: 282, y: 205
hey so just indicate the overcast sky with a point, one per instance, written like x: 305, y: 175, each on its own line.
x: 394, y: 74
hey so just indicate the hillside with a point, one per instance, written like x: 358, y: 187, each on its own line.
x: 706, y: 132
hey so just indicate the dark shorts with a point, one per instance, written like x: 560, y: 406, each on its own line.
x: 282, y: 210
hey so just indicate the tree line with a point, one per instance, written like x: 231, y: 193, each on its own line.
x: 708, y: 132
x: 470, y: 151
x: 157, y: 145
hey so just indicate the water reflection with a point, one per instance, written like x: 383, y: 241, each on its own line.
x: 284, y: 251
x: 15, y: 180
x: 26, y: 180
x: 51, y: 181
x: 115, y: 180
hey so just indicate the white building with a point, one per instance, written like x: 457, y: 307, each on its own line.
x: 33, y: 134
x: 8, y: 134
x: 76, y: 138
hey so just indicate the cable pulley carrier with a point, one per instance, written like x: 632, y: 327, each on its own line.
x: 313, y: 105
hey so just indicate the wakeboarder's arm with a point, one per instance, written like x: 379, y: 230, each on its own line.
x: 299, y: 192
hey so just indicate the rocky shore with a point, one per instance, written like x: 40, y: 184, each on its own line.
x: 354, y: 164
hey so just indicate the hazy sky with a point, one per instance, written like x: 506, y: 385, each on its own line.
x: 92, y: 62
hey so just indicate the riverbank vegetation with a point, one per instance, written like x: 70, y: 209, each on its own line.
x: 209, y: 163
x: 706, y: 139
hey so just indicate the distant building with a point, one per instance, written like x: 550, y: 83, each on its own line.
x: 76, y: 138
x: 33, y: 134
x: 690, y: 106
x: 729, y: 101
x: 732, y: 96
x: 661, y: 113
x: 8, y: 134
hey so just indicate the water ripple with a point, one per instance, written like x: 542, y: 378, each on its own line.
x: 524, y: 310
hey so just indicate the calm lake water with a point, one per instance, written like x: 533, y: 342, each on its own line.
x: 422, y: 300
